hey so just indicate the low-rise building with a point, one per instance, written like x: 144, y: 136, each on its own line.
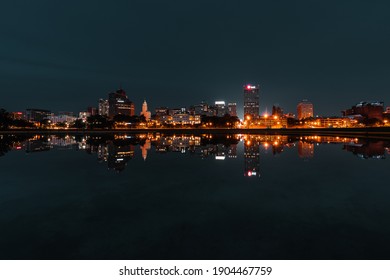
x: 369, y: 110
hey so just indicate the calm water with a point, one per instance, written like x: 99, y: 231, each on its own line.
x: 191, y: 197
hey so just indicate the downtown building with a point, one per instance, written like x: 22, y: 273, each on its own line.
x: 251, y: 101
x: 177, y: 116
x: 119, y: 104
x: 305, y: 109
x: 277, y: 110
x: 232, y: 109
x: 205, y: 109
x: 147, y: 114
x: 62, y: 117
x: 185, y: 118
x: 37, y: 115
x: 386, y: 116
x: 17, y: 115
x: 367, y: 110
x: 220, y: 108
x: 103, y: 107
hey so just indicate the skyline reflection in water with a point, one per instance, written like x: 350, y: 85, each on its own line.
x: 117, y: 149
x: 154, y: 196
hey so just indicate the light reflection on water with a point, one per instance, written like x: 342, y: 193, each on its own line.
x: 154, y: 196
x: 117, y: 150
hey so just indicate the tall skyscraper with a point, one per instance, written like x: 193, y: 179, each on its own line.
x: 119, y: 104
x: 147, y: 114
x: 305, y: 109
x: 251, y: 101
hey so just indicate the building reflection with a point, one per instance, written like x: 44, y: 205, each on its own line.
x: 232, y: 151
x: 182, y: 143
x: 117, y: 150
x: 368, y: 149
x: 251, y: 158
x: 118, y: 155
x: 37, y: 144
x: 305, y: 149
x: 144, y: 148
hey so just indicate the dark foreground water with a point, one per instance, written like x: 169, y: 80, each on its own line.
x: 191, y: 197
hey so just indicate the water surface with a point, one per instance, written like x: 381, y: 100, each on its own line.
x: 194, y: 197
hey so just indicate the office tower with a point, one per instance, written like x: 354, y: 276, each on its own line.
x: 199, y: 109
x: 147, y: 114
x: 103, y: 107
x: 305, y: 109
x: 220, y: 108
x: 119, y: 104
x: 277, y: 110
x: 232, y: 109
x: 251, y: 101
x: 37, y: 115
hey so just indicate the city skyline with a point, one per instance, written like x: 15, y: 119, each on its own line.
x: 118, y: 112
x: 263, y: 109
x: 193, y: 132
x: 119, y: 103
x: 332, y: 53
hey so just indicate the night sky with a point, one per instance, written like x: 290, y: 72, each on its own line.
x: 65, y: 55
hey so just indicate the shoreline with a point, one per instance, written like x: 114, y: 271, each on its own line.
x: 366, y: 131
